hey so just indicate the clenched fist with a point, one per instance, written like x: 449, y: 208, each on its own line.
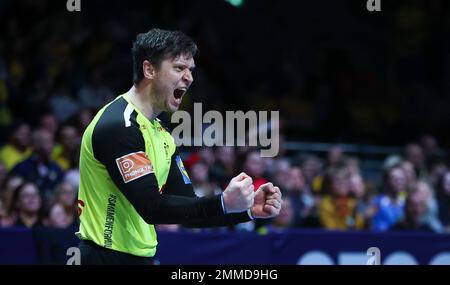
x: 267, y: 202
x: 239, y: 194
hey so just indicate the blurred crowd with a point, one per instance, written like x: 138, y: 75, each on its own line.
x: 331, y: 191
x: 39, y: 175
x: 39, y: 179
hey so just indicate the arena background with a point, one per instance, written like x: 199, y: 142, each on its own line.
x: 360, y: 93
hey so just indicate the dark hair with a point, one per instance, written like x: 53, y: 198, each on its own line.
x: 157, y: 45
x: 385, y: 188
x: 16, y: 196
x: 330, y: 174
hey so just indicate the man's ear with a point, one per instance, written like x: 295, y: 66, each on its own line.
x: 148, y: 70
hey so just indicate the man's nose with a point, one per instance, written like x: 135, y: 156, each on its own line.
x: 188, y: 78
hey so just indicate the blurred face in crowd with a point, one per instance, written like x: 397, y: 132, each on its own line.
x: 429, y: 144
x: 170, y: 81
x: 410, y: 174
x: 49, y: 123
x: 340, y: 184
x: 207, y: 155
x: 334, y: 155
x: 356, y: 185
x: 437, y: 170
x: 298, y: 181
x: 199, y: 173
x: 254, y: 165
x: 414, y: 154
x: 352, y: 165
x: 311, y: 168
x: 12, y: 183
x: 416, y: 206
x: 424, y: 189
x: 21, y: 136
x: 29, y: 199
x: 57, y: 217
x: 397, y: 180
x: 66, y: 194
x: 69, y: 137
x: 282, y: 174
x: 43, y: 143
x: 225, y: 154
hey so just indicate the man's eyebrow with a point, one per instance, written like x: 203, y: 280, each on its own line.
x: 185, y: 65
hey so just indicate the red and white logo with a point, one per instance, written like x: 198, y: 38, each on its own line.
x: 134, y: 165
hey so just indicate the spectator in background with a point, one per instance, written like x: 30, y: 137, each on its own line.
x: 224, y: 166
x: 311, y: 169
x: 8, y: 187
x: 443, y: 197
x: 352, y: 165
x: 206, y: 154
x: 50, y: 123
x: 357, y: 190
x: 389, y: 204
x: 337, y: 210
x: 334, y: 156
x: 410, y: 173
x: 430, y: 216
x: 437, y: 166
x: 83, y: 119
x: 199, y: 173
x: 254, y: 166
x: 415, y: 209
x: 66, y: 196
x: 65, y: 149
x: 393, y: 160
x: 56, y: 217
x: 39, y: 168
x: 303, y: 202
x: 281, y: 174
x: 18, y: 147
x: 414, y: 154
x: 26, y: 206
x: 72, y: 175
x: 430, y: 147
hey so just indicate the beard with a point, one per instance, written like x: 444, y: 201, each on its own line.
x: 160, y: 97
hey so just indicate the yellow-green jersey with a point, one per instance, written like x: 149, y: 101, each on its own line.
x: 131, y: 177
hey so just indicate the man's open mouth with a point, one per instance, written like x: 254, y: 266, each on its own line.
x: 179, y: 92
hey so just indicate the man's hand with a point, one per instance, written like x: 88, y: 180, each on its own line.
x: 239, y: 194
x: 267, y: 201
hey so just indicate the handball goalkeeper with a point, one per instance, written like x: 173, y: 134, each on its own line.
x: 131, y: 175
